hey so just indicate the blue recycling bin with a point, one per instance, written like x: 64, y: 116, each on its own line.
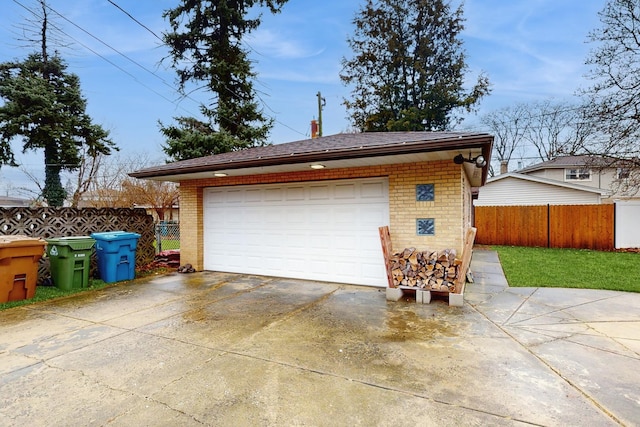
x: 116, y: 254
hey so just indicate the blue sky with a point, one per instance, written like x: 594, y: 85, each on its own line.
x: 530, y: 49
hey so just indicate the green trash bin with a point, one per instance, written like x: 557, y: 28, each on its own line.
x: 70, y: 259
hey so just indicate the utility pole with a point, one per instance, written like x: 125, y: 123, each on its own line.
x: 321, y: 103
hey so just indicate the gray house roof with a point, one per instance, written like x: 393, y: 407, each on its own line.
x: 340, y: 147
x: 570, y: 162
x: 10, y: 202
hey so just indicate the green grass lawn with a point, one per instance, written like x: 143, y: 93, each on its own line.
x: 168, y: 244
x: 570, y: 268
x: 44, y: 293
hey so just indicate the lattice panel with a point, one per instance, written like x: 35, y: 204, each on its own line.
x: 62, y: 222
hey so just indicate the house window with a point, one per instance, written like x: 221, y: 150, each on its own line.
x: 582, y: 174
x: 623, y: 173
x: 426, y: 227
x: 425, y: 193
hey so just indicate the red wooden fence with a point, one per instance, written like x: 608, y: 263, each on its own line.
x: 566, y: 226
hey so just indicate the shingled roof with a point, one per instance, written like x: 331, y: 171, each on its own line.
x: 334, y: 147
x: 562, y: 162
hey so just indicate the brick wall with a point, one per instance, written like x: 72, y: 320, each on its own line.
x: 446, y: 209
x: 191, y: 224
x: 450, y: 209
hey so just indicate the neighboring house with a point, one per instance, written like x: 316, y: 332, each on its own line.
x: 517, y: 189
x: 311, y: 209
x: 585, y: 171
x: 563, y: 180
x: 13, y: 202
x: 171, y: 214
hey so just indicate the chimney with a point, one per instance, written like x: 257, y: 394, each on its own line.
x: 504, y: 166
x: 314, y: 128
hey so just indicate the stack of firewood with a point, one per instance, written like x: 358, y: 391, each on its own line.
x: 429, y: 270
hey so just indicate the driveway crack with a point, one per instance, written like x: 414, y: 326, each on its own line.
x: 551, y: 367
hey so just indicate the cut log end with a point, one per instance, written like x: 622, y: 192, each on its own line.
x: 431, y: 270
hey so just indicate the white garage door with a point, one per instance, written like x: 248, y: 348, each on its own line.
x: 324, y: 230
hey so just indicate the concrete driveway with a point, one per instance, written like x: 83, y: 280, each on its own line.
x: 228, y: 349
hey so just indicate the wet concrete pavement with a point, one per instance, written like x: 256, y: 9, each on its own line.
x: 228, y: 349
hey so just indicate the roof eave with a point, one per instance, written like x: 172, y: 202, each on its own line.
x: 483, y: 142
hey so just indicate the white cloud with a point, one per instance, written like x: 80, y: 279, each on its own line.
x: 302, y: 76
x: 530, y: 49
x: 279, y: 45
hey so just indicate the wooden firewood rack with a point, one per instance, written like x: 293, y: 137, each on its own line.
x: 456, y: 298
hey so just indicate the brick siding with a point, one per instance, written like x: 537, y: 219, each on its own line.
x: 451, y: 207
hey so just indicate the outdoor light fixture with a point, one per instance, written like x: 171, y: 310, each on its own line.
x: 219, y: 174
x: 479, y: 160
x: 317, y: 166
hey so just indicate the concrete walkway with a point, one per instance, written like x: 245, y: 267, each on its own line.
x: 228, y: 349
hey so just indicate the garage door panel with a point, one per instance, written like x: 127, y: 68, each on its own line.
x: 319, y: 231
x: 236, y: 222
x: 371, y: 217
x: 253, y: 196
x: 250, y: 238
x: 234, y: 196
x: 249, y: 260
x: 269, y: 241
x: 343, y: 244
x: 370, y: 271
x: 373, y: 190
x: 214, y: 197
x: 370, y: 244
x: 343, y: 269
x: 345, y: 216
x: 319, y: 243
x: 318, y: 218
x: 319, y: 192
x: 296, y: 215
x: 295, y: 193
x: 235, y: 259
x: 266, y: 216
x: 318, y: 266
x: 272, y: 263
x: 273, y: 194
x: 295, y: 241
x: 345, y: 191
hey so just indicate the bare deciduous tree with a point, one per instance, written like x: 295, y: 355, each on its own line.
x: 156, y: 195
x: 112, y: 187
x: 543, y: 129
x: 613, y: 99
x: 509, y: 126
x: 557, y: 129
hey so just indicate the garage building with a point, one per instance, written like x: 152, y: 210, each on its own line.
x: 311, y: 209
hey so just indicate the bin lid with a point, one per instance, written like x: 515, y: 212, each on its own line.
x: 115, y: 235
x: 14, y: 241
x: 74, y: 242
